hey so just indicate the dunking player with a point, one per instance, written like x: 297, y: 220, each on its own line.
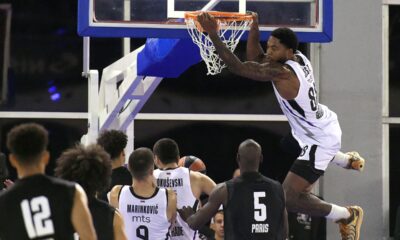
x: 147, y: 209
x: 254, y: 205
x: 38, y: 206
x: 188, y: 185
x: 314, y: 126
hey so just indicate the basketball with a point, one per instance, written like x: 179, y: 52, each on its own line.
x: 193, y: 163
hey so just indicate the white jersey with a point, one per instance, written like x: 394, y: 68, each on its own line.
x: 306, y: 116
x: 314, y: 126
x: 178, y: 179
x: 145, y: 218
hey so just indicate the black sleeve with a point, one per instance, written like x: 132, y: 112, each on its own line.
x: 3, y: 171
x: 397, y: 225
x: 281, y: 231
x: 207, y: 231
x: 71, y: 189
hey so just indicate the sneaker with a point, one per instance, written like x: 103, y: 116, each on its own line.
x: 350, y: 228
x: 356, y: 162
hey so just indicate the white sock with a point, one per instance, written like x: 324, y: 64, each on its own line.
x: 341, y: 159
x: 338, y: 212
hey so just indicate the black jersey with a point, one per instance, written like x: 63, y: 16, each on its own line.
x: 103, y: 218
x: 37, y: 207
x: 119, y: 176
x: 254, y: 209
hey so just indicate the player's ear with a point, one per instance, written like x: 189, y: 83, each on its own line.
x: 288, y: 53
x: 261, y: 158
x: 13, y: 160
x: 238, y: 158
x: 46, y: 157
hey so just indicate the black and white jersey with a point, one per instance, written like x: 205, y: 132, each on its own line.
x: 255, y: 208
x: 37, y: 207
x: 306, y: 116
x: 145, y: 218
x: 103, y: 218
x: 178, y: 179
x: 119, y: 176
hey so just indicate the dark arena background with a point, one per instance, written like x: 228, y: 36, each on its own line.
x: 358, y: 77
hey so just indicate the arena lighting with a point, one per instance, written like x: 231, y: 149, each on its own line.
x: 54, y: 94
x: 55, y: 97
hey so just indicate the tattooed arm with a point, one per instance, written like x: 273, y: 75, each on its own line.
x: 269, y: 71
x: 254, y: 51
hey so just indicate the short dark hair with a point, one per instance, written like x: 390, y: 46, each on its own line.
x: 89, y: 166
x: 249, y: 154
x: 220, y: 211
x: 166, y: 150
x: 287, y: 37
x: 113, y: 141
x: 27, y: 142
x: 141, y: 161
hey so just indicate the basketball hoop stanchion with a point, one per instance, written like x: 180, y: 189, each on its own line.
x: 231, y: 28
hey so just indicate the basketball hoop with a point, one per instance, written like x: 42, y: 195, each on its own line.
x: 231, y: 28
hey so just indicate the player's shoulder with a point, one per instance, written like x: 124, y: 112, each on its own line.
x: 101, y: 205
x: 41, y: 180
x: 199, y: 177
x: 120, y: 171
x: 195, y: 174
x: 117, y: 189
x: 271, y: 181
x: 59, y: 181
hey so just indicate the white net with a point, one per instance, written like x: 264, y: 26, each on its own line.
x: 230, y: 33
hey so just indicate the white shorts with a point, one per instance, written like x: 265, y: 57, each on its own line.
x: 321, y: 153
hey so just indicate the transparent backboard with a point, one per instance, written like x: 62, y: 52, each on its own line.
x: 311, y: 19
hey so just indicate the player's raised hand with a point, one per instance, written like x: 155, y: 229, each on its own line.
x: 255, y: 18
x: 207, y: 22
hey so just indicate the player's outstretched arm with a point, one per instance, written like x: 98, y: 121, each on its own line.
x: 201, y: 183
x: 81, y: 217
x: 269, y: 71
x: 207, y: 184
x: 119, y: 226
x: 254, y: 51
x: 196, y: 220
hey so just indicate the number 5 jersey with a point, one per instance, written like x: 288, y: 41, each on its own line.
x: 255, y: 208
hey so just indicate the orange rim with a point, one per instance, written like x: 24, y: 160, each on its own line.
x: 225, y: 16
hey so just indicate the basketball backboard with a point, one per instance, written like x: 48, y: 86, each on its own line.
x: 311, y: 19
